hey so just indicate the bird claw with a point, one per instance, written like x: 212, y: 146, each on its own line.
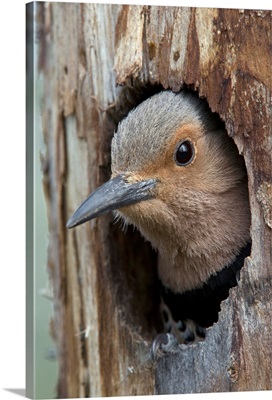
x: 164, y: 343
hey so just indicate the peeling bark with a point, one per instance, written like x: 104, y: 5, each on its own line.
x: 104, y: 294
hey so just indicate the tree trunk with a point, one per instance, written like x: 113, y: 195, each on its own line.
x: 98, y: 62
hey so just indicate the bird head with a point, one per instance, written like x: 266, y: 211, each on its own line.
x: 172, y: 165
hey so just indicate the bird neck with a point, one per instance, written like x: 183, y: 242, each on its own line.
x: 195, y: 237
x: 203, y: 304
x: 206, y: 242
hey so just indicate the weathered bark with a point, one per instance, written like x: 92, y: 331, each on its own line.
x: 103, y: 279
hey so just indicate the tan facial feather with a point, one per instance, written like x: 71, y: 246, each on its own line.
x: 200, y: 215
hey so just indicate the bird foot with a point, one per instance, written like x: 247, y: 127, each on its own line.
x: 164, y: 343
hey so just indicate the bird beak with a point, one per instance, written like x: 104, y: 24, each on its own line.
x: 114, y: 194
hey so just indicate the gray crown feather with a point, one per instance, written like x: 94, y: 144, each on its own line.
x: 142, y: 136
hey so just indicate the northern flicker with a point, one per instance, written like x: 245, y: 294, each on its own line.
x: 178, y: 177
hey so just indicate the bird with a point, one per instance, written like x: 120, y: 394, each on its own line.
x: 178, y: 177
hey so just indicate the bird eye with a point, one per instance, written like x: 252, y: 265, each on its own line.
x: 184, y: 153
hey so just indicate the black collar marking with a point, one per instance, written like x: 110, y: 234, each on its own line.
x: 203, y: 304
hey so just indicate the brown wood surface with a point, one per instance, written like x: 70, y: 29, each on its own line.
x: 99, y: 61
